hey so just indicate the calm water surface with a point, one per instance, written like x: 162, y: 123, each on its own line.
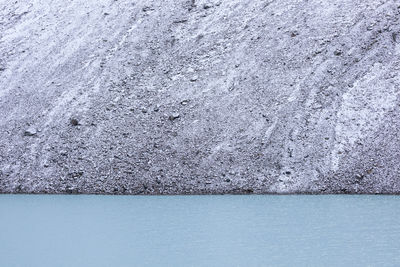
x: 199, y: 230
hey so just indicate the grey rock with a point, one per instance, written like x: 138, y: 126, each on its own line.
x: 395, y: 37
x: 71, y: 190
x: 174, y: 116
x: 337, y: 52
x: 74, y: 122
x: 207, y: 5
x: 31, y: 131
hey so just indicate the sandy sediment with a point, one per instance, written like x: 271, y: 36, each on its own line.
x: 193, y: 97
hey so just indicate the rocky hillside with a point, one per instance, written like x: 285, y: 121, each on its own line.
x: 199, y: 96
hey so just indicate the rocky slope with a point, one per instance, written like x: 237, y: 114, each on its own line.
x: 170, y: 97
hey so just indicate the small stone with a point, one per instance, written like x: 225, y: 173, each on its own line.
x: 184, y: 102
x: 173, y: 116
x: 207, y: 5
x: 359, y: 176
x: 70, y: 190
x: 156, y: 108
x: 394, y: 37
x: 74, y: 122
x: 144, y: 110
x: 106, y: 14
x: 337, y: 52
x: 183, y: 20
x: 132, y: 109
x: 194, y: 78
x: 30, y: 132
x: 228, y: 180
x: 147, y: 8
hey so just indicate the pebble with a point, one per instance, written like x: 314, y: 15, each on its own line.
x: 359, y: 176
x: 394, y: 37
x: 337, y: 52
x: 70, y: 190
x: 207, y: 5
x: 74, y: 122
x: 194, y: 78
x: 173, y: 116
x: 30, y: 132
x: 147, y: 8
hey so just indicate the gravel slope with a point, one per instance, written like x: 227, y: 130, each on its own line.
x: 170, y: 97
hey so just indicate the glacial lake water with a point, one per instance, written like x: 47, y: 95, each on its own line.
x: 343, y: 230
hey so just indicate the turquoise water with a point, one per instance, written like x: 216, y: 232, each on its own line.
x: 69, y: 231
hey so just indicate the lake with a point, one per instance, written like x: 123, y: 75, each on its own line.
x: 228, y: 230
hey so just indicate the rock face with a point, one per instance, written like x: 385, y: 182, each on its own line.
x: 279, y: 96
